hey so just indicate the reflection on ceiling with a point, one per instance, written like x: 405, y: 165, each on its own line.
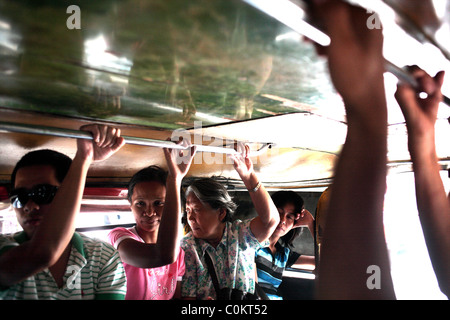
x: 156, y: 63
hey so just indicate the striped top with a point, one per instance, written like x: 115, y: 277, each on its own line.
x: 270, y: 268
x: 94, y: 271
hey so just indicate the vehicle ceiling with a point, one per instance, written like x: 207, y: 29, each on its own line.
x: 219, y: 68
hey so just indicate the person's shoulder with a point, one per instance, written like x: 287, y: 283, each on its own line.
x: 188, y: 237
x: 241, y: 229
x: 117, y: 235
x: 120, y: 231
x: 239, y: 225
x: 187, y: 241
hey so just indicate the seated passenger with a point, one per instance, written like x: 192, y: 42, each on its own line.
x: 273, y: 259
x: 48, y: 259
x: 150, y: 252
x: 230, y: 245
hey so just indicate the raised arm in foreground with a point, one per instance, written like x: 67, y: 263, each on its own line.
x: 354, y: 236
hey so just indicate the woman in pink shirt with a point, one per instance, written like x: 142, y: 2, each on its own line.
x: 150, y: 252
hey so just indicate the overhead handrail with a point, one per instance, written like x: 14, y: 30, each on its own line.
x: 77, y: 134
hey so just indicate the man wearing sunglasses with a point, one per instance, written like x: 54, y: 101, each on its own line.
x: 48, y: 259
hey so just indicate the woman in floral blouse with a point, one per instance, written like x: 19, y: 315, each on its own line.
x: 231, y: 245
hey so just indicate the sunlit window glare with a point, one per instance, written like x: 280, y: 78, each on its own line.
x: 411, y: 269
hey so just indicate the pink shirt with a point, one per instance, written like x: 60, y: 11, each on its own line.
x: 148, y: 284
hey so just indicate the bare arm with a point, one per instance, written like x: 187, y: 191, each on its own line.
x: 432, y: 202
x: 58, y: 225
x: 165, y: 250
x: 305, y: 219
x: 354, y: 235
x: 268, y: 217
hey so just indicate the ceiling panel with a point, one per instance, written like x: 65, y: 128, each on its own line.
x: 157, y: 63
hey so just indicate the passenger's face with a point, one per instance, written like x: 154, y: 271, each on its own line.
x: 31, y: 214
x: 204, y: 221
x: 147, y: 203
x: 287, y: 219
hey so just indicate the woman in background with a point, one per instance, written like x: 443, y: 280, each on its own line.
x: 230, y: 245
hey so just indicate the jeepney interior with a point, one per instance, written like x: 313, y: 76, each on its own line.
x: 218, y: 72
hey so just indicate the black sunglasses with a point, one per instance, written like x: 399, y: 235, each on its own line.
x: 40, y: 194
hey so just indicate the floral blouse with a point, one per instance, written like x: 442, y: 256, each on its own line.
x: 233, y: 259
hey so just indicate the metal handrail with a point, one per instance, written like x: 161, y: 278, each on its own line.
x: 77, y: 134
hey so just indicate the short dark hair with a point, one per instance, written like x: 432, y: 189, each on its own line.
x: 282, y: 198
x: 57, y: 160
x: 151, y: 173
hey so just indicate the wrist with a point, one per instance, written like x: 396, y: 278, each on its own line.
x: 422, y: 145
x: 83, y: 159
x: 174, y: 179
x: 252, y: 182
x: 256, y: 188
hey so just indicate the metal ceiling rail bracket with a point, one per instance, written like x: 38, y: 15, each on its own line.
x: 77, y: 134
